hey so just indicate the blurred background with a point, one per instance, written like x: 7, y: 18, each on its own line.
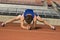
x: 47, y: 9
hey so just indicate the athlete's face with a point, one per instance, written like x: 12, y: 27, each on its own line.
x: 28, y: 18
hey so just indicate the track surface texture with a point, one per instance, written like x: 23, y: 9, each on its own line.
x: 13, y: 31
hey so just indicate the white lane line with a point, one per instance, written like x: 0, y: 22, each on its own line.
x: 37, y: 31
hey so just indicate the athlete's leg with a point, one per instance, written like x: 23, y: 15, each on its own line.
x: 42, y: 20
x: 11, y: 20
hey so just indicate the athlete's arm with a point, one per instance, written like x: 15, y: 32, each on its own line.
x: 34, y: 21
x: 22, y: 24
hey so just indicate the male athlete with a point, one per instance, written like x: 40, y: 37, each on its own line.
x: 29, y: 16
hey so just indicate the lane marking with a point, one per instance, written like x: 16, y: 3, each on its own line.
x: 37, y: 31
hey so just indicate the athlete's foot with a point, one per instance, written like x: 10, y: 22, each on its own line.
x: 53, y: 28
x: 3, y: 24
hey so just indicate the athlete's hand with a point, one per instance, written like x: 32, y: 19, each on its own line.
x: 28, y: 27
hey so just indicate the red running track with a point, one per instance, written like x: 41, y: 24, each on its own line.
x: 14, y: 32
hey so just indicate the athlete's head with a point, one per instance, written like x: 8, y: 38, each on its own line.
x: 28, y: 15
x: 28, y: 19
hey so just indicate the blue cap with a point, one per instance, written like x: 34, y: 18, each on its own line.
x: 29, y: 11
